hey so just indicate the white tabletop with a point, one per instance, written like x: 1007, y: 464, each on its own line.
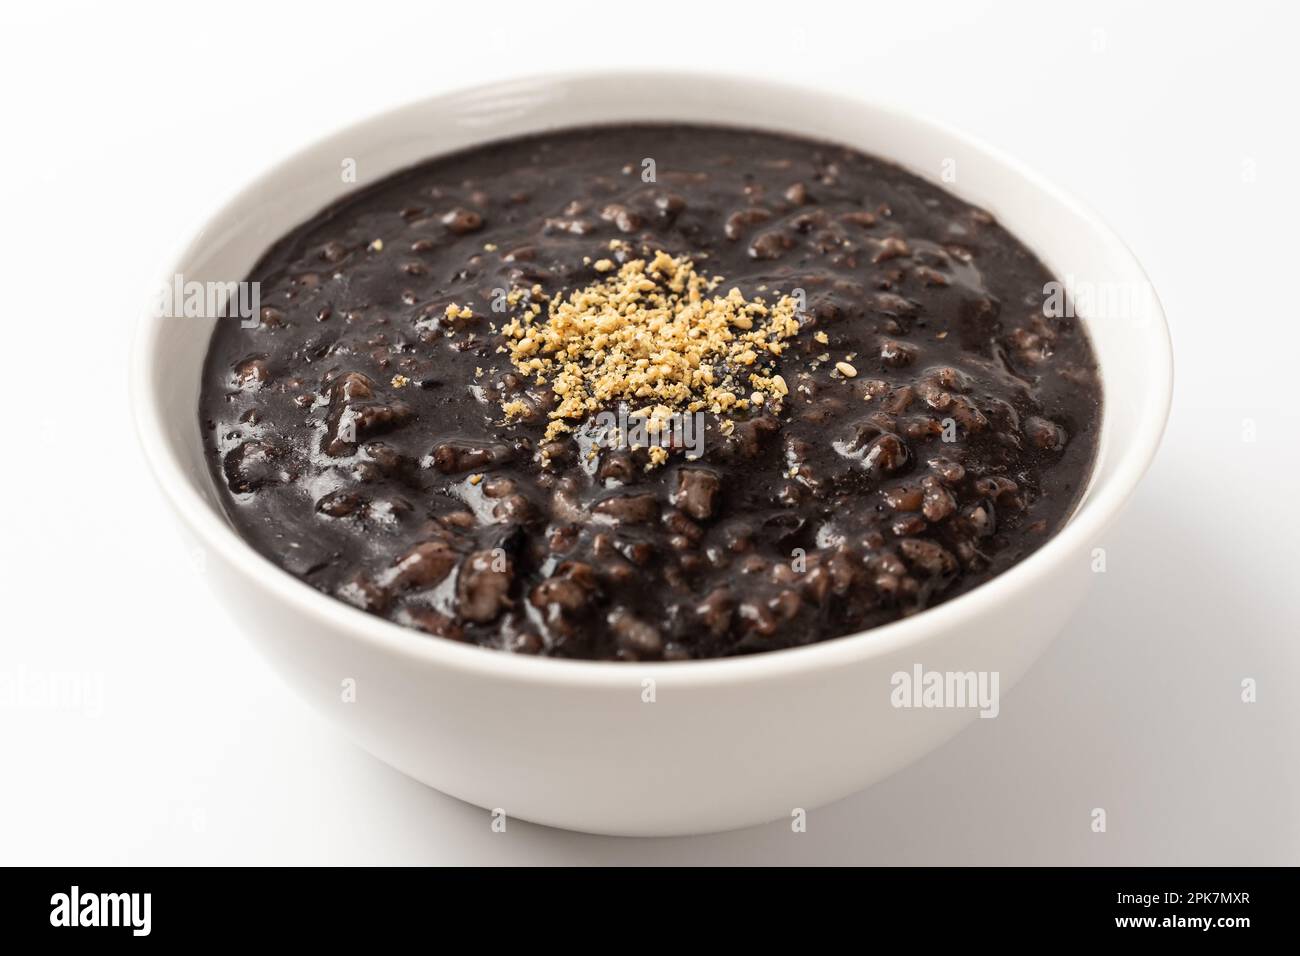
x: 123, y: 133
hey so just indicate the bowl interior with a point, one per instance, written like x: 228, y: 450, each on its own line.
x: 1112, y: 293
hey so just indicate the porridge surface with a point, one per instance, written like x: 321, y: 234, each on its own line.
x: 548, y: 397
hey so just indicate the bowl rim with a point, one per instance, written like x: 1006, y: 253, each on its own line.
x: 1098, y: 505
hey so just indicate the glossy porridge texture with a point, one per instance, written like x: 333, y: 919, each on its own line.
x: 879, y: 418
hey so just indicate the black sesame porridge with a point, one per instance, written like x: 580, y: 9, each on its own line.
x: 649, y: 393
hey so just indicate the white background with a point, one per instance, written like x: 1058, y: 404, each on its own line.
x: 122, y: 131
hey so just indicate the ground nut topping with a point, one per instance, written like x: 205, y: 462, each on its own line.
x: 550, y: 398
x: 652, y: 335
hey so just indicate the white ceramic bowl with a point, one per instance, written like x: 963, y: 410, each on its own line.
x: 725, y: 743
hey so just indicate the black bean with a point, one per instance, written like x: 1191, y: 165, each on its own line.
x: 423, y: 566
x: 635, y: 635
x: 457, y: 457
x: 253, y: 465
x: 739, y: 221
x: 697, y: 492
x: 1045, y: 434
x: 928, y: 556
x: 252, y: 373
x: 461, y: 221
x: 770, y: 245
x: 629, y: 509
x: 939, y: 502
x: 897, y: 354
x: 714, y: 612
x: 483, y: 586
